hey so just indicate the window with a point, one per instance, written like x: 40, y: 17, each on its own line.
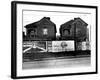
x: 33, y: 33
x: 66, y: 32
x: 45, y: 31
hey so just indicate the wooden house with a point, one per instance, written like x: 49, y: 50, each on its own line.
x: 74, y: 29
x: 43, y: 29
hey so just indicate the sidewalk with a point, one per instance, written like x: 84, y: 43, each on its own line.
x: 59, y: 55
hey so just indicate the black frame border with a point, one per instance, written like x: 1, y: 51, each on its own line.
x: 14, y: 37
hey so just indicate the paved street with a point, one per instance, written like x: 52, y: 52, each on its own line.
x: 59, y: 62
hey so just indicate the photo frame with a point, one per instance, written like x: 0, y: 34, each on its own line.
x: 50, y: 39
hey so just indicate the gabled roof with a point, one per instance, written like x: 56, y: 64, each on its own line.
x: 79, y: 19
x: 66, y: 24
x: 43, y: 21
x: 32, y: 25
